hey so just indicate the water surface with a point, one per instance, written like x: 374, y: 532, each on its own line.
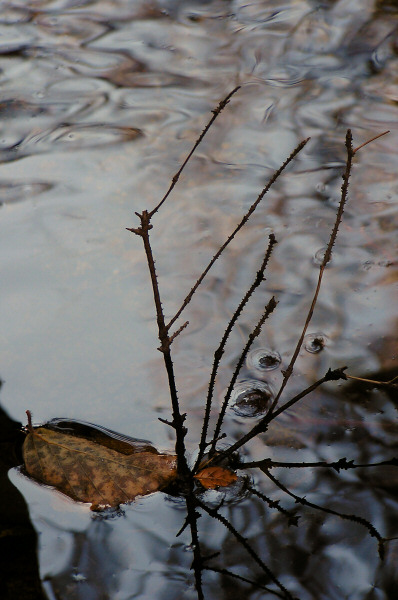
x: 100, y: 101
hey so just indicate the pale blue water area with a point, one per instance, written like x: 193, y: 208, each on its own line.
x: 100, y: 102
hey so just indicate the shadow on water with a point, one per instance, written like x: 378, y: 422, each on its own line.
x: 19, y: 568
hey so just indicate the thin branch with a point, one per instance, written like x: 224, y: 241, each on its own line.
x: 371, y: 529
x: 216, y: 515
x: 376, y: 137
x: 392, y: 383
x: 176, y: 177
x: 221, y: 348
x: 255, y: 333
x: 327, y: 256
x: 237, y: 228
x: 178, y: 418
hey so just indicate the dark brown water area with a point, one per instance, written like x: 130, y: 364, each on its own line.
x: 100, y: 102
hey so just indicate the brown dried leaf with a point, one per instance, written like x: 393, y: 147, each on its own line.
x: 212, y: 477
x: 90, y: 472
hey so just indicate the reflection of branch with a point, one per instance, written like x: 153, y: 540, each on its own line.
x: 339, y: 465
x: 236, y: 576
x: 237, y: 228
x: 292, y: 519
x: 372, y: 530
x: 216, y: 515
x: 197, y: 563
x: 220, y: 350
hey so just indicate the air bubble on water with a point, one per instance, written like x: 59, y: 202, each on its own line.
x: 315, y: 342
x: 263, y: 359
x: 251, y: 398
x: 319, y: 255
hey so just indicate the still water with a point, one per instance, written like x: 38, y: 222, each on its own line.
x: 100, y: 102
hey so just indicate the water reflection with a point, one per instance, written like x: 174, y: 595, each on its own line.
x: 100, y: 101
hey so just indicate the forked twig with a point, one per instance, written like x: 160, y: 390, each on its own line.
x: 178, y: 418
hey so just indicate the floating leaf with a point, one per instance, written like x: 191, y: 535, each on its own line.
x: 212, y: 477
x: 91, y: 472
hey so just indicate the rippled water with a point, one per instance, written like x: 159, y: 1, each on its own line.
x: 99, y: 104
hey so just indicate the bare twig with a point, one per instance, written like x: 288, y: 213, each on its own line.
x: 237, y: 228
x: 376, y: 137
x: 327, y: 256
x: 220, y: 350
x: 178, y: 418
x: 197, y: 564
x: 255, y: 333
x: 292, y: 519
x: 392, y: 383
x: 176, y: 177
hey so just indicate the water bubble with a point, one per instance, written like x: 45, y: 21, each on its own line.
x: 251, y: 398
x: 263, y: 359
x: 319, y: 255
x: 315, y: 342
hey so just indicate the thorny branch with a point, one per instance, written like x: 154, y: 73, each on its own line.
x: 176, y: 177
x: 221, y: 348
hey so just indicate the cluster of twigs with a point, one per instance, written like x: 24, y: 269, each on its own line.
x: 208, y: 452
